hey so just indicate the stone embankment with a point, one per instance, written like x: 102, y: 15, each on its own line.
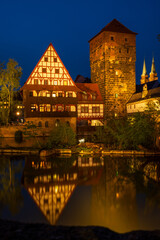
x: 15, y: 231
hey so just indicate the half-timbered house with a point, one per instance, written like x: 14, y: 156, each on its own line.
x: 50, y: 94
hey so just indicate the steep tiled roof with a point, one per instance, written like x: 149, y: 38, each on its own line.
x: 115, y: 26
x: 91, y: 88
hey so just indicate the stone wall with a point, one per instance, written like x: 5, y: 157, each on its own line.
x: 112, y: 65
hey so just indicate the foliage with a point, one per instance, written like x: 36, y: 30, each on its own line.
x: 30, y: 131
x: 18, y: 136
x: 9, y: 83
x: 62, y: 135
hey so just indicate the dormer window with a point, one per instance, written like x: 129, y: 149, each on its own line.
x: 93, y: 96
x: 84, y: 96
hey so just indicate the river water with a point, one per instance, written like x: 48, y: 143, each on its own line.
x: 121, y: 193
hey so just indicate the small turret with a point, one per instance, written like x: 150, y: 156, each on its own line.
x: 144, y: 76
x: 153, y: 74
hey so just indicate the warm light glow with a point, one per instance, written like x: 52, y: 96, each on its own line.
x: 117, y: 195
x: 81, y: 140
x: 17, y: 113
x: 56, y: 189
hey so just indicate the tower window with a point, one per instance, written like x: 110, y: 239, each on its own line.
x: 112, y: 38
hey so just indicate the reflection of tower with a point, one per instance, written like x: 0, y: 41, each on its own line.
x: 114, y: 198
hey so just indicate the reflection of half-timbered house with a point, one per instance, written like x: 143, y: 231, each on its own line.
x: 49, y: 94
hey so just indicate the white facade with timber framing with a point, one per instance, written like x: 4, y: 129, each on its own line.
x: 50, y: 94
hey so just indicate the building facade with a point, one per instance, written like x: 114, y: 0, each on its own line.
x: 112, y: 62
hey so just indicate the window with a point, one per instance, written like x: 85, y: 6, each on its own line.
x: 41, y: 107
x: 127, y: 50
x: 45, y: 201
x: 126, y: 39
x: 46, y: 59
x: 45, y: 82
x: 46, y: 124
x: 44, y: 70
x: 112, y: 38
x: 48, y: 108
x: 54, y: 108
x: 84, y: 96
x: 57, y: 123
x: 40, y: 124
x: 120, y: 50
x: 67, y: 108
x: 70, y: 94
x: 55, y: 82
x: 34, y: 107
x: 31, y: 93
x: 60, y: 108
x: 53, y: 94
x: 84, y: 109
x: 73, y: 108
x: 116, y: 95
x: 65, y: 82
x: 48, y: 94
x: 56, y: 70
x: 55, y: 59
x: 35, y: 81
x: 60, y: 94
x: 93, y: 97
x: 96, y: 109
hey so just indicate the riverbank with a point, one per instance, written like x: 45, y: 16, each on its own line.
x: 14, y: 230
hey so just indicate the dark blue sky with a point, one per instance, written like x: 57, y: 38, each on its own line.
x: 27, y: 28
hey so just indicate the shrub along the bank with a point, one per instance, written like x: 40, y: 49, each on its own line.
x: 61, y: 136
x: 129, y: 132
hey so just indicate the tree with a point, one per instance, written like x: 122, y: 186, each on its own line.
x: 9, y: 83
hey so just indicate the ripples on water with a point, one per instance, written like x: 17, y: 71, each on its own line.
x: 121, y: 193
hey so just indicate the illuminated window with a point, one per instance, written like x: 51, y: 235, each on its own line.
x: 48, y: 108
x: 57, y: 123
x: 35, y: 81
x: 55, y: 82
x: 56, y: 70
x: 84, y: 96
x: 53, y: 108
x: 70, y: 94
x: 45, y: 82
x: 116, y: 95
x: 44, y: 70
x: 46, y: 59
x: 93, y: 97
x: 84, y: 109
x: 65, y: 82
x: 95, y: 109
x: 55, y: 59
x: 73, y: 108
x: 34, y: 107
x: 48, y: 94
x: 60, y: 108
x: 67, y: 108
x: 53, y: 94
x: 41, y: 107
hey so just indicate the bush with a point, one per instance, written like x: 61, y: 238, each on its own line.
x: 18, y: 136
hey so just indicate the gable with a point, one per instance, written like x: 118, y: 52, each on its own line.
x: 50, y: 70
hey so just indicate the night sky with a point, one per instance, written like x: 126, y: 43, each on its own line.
x: 27, y: 28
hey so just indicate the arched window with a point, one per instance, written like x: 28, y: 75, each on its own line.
x: 46, y: 124
x: 57, y: 123
x: 40, y: 124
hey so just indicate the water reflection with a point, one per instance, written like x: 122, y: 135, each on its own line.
x: 52, y: 182
x: 122, y: 194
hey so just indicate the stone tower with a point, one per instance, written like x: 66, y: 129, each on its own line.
x: 112, y: 62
